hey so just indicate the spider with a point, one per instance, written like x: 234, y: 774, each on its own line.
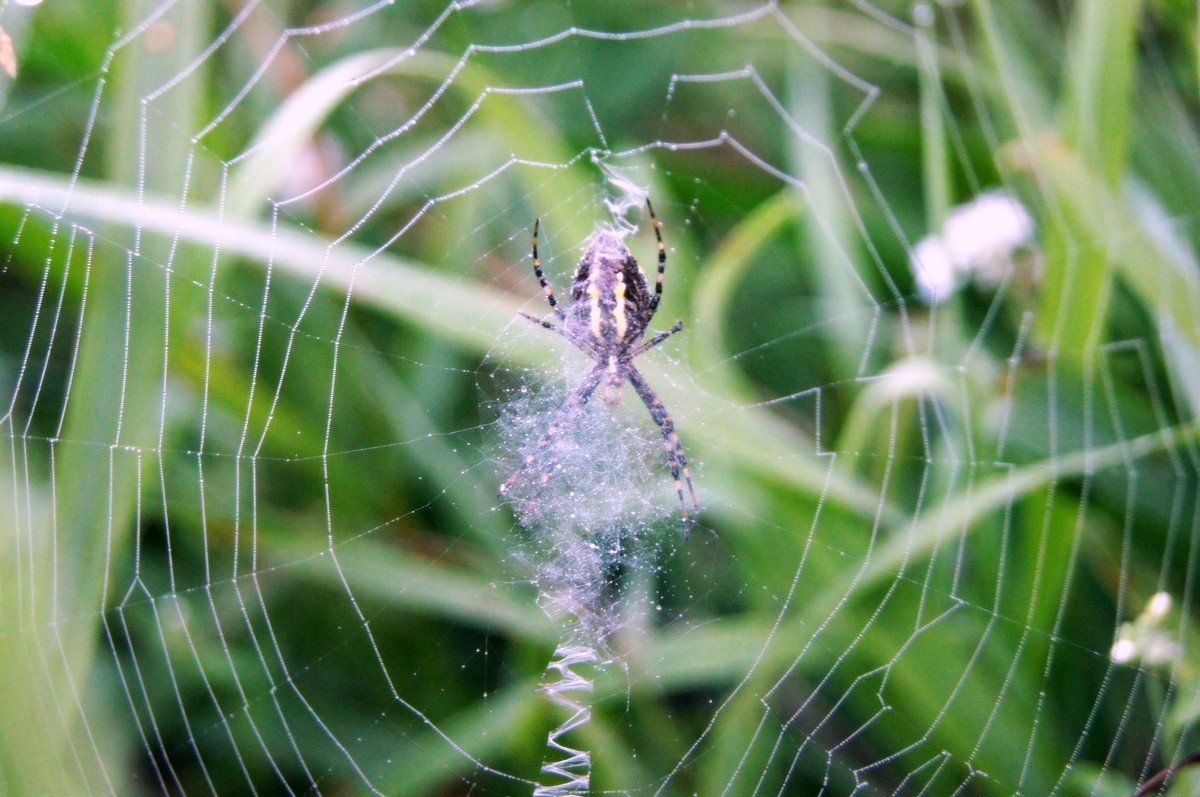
x: 611, y: 307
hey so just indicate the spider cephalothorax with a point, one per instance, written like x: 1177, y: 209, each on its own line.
x: 611, y: 307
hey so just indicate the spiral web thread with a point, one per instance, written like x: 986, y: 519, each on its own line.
x: 571, y: 691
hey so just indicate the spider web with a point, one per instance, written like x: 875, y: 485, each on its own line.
x: 264, y: 372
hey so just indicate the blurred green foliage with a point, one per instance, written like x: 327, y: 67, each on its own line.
x: 253, y: 543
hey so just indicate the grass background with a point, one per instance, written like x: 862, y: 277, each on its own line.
x: 213, y: 577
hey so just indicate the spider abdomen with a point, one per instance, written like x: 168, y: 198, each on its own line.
x: 610, y: 299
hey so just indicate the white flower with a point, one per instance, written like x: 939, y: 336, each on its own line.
x: 1148, y: 639
x: 934, y: 268
x: 977, y: 239
x: 1159, y: 605
x: 1124, y: 651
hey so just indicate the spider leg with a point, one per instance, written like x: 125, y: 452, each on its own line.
x: 542, y: 323
x: 574, y: 404
x: 657, y: 339
x: 541, y: 277
x: 676, y: 460
x: 662, y: 263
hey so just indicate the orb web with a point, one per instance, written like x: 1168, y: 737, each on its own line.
x: 263, y: 373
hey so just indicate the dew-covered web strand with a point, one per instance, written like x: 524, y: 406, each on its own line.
x: 1180, y: 472
x: 200, y: 454
x: 281, y: 672
x: 329, y: 419
x: 27, y: 355
x: 1053, y: 403
x: 724, y: 139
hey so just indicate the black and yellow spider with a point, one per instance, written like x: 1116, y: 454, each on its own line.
x: 611, y: 307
